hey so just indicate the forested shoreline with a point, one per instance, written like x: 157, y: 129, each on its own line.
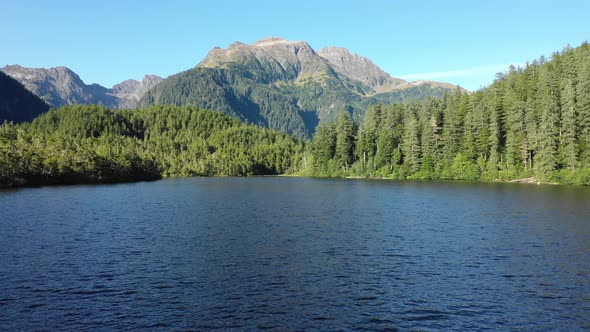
x: 531, y: 122
x: 92, y: 144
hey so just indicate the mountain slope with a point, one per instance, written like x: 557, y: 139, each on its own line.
x: 17, y: 104
x: 359, y: 68
x: 286, y: 85
x: 61, y: 86
x: 129, y: 92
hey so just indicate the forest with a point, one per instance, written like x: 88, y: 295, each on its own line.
x: 531, y: 122
x: 92, y: 144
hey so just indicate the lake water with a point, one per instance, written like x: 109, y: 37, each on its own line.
x: 295, y: 254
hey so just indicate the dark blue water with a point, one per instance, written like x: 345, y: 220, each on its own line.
x: 295, y: 254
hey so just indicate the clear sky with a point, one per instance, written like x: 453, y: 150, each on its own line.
x: 461, y: 42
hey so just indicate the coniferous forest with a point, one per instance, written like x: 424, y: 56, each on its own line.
x: 532, y: 122
x: 92, y: 144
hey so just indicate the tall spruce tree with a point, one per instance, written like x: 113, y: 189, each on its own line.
x: 568, y: 145
x: 344, y: 141
x: 411, y: 144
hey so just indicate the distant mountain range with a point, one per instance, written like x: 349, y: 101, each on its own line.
x: 274, y: 82
x: 61, y: 86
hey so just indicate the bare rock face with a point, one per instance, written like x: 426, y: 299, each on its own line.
x: 61, y: 86
x: 284, y: 60
x: 129, y: 92
x: 359, y: 68
x: 276, y: 59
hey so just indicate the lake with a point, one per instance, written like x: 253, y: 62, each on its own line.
x: 295, y: 254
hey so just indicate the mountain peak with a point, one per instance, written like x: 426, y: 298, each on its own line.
x: 60, y: 86
x: 271, y: 48
x: 273, y: 41
x: 270, y: 40
x: 271, y: 59
x: 151, y: 80
x: 359, y: 68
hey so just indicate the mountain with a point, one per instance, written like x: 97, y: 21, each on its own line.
x: 17, y: 104
x: 274, y: 59
x: 359, y: 68
x: 129, y: 92
x: 276, y: 83
x: 287, y: 85
x: 61, y: 86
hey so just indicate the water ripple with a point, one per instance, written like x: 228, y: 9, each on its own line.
x: 293, y: 255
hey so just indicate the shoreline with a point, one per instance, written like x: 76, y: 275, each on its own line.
x: 524, y: 181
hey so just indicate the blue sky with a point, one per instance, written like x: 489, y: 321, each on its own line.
x: 461, y: 42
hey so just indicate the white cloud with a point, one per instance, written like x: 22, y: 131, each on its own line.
x: 467, y: 72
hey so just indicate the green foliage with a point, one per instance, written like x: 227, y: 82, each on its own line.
x: 257, y: 93
x: 532, y: 121
x: 344, y: 141
x: 237, y: 92
x: 92, y: 144
x: 324, y: 148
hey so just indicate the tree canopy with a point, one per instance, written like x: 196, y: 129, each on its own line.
x: 531, y: 122
x: 92, y: 144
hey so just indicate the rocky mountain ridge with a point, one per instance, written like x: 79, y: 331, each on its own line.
x: 61, y: 86
x: 297, y: 61
x: 287, y: 85
x: 274, y: 82
x: 359, y: 68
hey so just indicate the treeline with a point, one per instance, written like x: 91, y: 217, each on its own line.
x: 531, y: 122
x: 92, y: 144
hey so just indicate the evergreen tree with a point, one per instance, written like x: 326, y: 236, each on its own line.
x: 366, y: 147
x: 568, y: 145
x: 583, y: 109
x: 411, y: 145
x: 344, y: 141
x: 324, y: 143
x: 547, y: 101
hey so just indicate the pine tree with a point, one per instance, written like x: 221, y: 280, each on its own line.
x: 546, y: 157
x: 547, y: 104
x: 516, y: 140
x: 411, y: 144
x: 583, y: 109
x: 568, y: 145
x: 324, y: 143
x: 385, y: 147
x: 496, y: 133
x: 366, y: 147
x: 452, y: 131
x: 344, y: 141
